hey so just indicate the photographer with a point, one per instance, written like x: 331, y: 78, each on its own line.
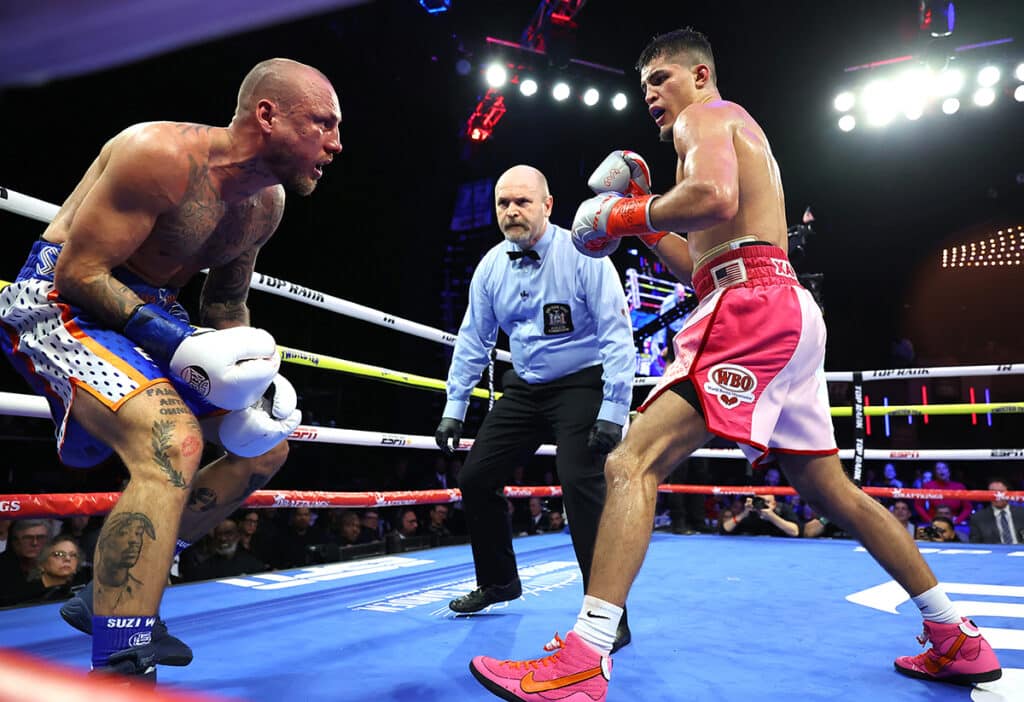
x: 940, y: 530
x: 762, y: 515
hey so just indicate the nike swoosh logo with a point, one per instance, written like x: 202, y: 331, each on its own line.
x: 596, y: 616
x: 531, y: 686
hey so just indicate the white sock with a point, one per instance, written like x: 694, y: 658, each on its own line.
x: 936, y: 606
x: 597, y: 623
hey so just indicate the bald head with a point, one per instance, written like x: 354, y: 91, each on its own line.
x: 523, y: 205
x: 281, y: 80
x: 526, y: 176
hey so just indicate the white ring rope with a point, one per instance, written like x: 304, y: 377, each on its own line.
x: 900, y: 373
x: 32, y: 406
x: 27, y: 206
x: 315, y: 298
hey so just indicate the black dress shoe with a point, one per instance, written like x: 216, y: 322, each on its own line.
x: 622, y: 635
x: 486, y: 596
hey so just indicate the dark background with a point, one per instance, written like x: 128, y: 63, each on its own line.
x: 376, y: 231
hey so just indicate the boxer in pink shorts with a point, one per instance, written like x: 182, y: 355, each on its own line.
x: 753, y: 352
x: 749, y: 368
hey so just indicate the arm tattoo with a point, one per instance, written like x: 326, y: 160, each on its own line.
x: 161, y: 440
x: 106, y: 297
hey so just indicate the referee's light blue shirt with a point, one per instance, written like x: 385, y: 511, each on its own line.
x: 562, y: 314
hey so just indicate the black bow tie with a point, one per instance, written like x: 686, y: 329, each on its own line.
x: 529, y: 253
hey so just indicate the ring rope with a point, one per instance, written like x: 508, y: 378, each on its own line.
x: 35, y: 506
x: 33, y: 406
x: 947, y: 409
x: 899, y: 373
x: 315, y: 360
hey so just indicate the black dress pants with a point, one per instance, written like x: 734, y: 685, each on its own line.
x: 510, y: 434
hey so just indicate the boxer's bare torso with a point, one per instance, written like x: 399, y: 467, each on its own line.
x: 195, y: 225
x: 761, y: 211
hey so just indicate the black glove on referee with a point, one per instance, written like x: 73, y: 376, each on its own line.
x: 604, y: 435
x: 448, y: 429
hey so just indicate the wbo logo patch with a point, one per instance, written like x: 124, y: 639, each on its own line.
x: 557, y: 318
x: 731, y: 384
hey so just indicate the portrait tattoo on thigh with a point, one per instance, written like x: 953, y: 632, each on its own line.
x: 162, y: 436
x: 119, y: 548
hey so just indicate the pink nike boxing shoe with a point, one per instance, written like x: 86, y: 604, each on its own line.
x: 959, y: 654
x: 576, y: 672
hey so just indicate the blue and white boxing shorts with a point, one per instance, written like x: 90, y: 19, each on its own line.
x: 61, y: 350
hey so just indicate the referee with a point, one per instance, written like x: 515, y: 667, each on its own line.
x: 573, y: 365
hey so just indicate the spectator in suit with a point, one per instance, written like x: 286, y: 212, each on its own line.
x: 538, y: 520
x: 1000, y: 522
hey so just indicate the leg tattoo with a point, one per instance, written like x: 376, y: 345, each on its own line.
x: 119, y: 548
x: 161, y: 444
x: 202, y: 500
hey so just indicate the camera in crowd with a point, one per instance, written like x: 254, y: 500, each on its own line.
x: 930, y: 532
x: 757, y: 502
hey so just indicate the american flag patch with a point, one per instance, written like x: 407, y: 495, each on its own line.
x: 729, y: 273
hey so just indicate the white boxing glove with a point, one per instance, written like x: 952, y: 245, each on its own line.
x: 255, y: 430
x: 229, y: 368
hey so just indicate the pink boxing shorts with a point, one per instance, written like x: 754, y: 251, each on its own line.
x: 754, y: 351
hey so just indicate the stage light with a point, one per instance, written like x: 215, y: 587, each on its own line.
x: 881, y: 102
x: 528, y: 87
x: 591, y: 97
x: 844, y: 101
x: 847, y: 123
x: 914, y: 112
x: 496, y: 75
x: 950, y: 105
x: 619, y: 101
x: 561, y: 91
x: 988, y: 76
x: 949, y: 82
x: 1018, y: 94
x: 1019, y: 71
x: 463, y: 67
x: 983, y: 97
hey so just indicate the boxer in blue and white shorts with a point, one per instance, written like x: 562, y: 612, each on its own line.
x: 93, y: 323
